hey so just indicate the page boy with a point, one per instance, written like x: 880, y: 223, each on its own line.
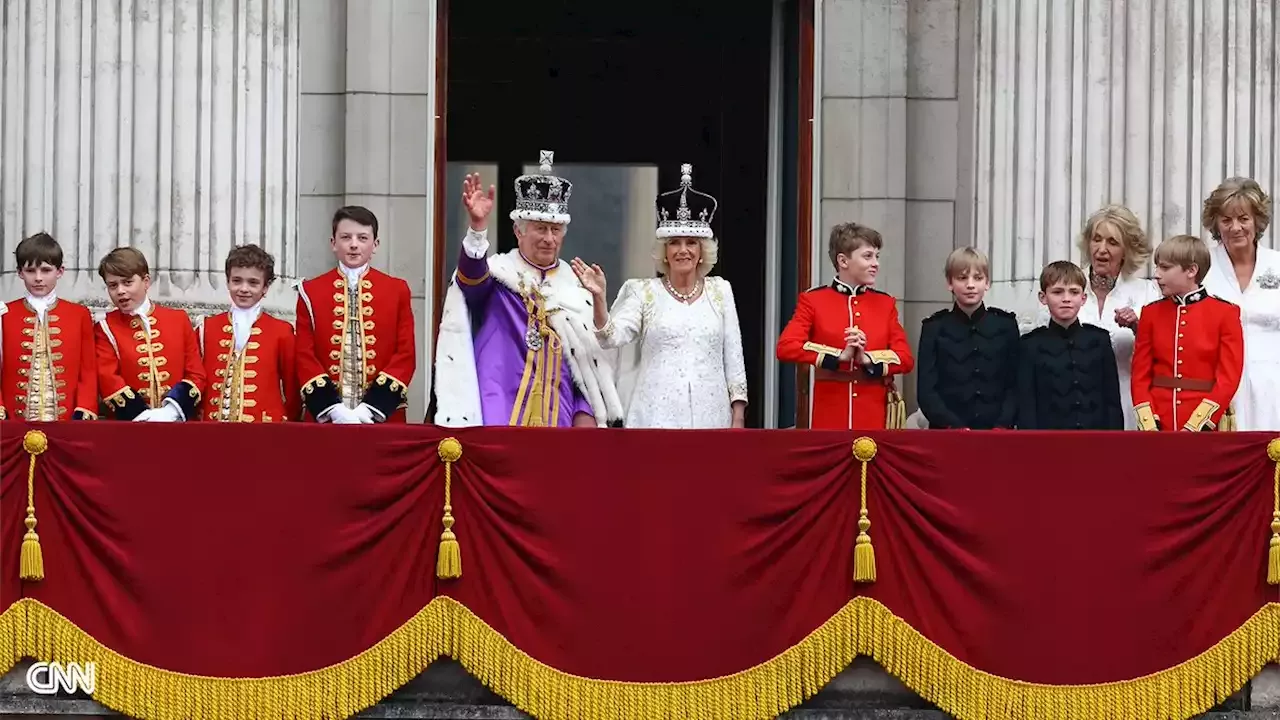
x: 356, y: 354
x: 248, y: 353
x: 967, y: 358
x: 1189, y: 354
x: 47, y: 366
x: 1067, y: 377
x: 149, y: 365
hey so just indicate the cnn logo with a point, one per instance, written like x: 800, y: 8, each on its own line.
x: 47, y: 678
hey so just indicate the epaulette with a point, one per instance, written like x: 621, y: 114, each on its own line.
x: 816, y: 288
x: 1086, y: 327
x: 1002, y: 312
x: 1222, y: 300
x: 878, y: 292
x: 938, y: 315
x: 1154, y: 302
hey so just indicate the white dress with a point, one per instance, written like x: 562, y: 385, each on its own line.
x: 686, y: 367
x: 1129, y: 292
x: 1257, y: 402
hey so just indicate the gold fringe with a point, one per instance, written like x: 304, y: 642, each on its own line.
x: 31, y: 565
x: 864, y: 555
x: 1228, y: 422
x: 1273, y: 553
x: 449, y: 559
x: 445, y: 627
x: 895, y: 414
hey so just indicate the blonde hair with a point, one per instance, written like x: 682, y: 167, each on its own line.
x: 1237, y: 188
x: 1061, y: 271
x: 706, y: 259
x: 1134, y: 242
x: 967, y: 258
x: 1184, y: 251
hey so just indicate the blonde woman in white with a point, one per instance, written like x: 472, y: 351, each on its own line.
x: 1247, y: 274
x: 689, y: 369
x: 1115, y: 251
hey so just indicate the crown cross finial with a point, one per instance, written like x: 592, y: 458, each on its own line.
x: 545, y: 160
x: 686, y: 175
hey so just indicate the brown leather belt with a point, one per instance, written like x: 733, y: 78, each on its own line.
x: 1163, y: 381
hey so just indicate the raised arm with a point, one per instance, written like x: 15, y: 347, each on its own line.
x: 472, y: 276
x: 622, y: 324
x: 735, y: 368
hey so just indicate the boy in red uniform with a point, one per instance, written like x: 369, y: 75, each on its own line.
x: 249, y: 354
x: 356, y: 352
x: 47, y: 368
x: 851, y: 333
x: 149, y: 365
x: 1189, y: 354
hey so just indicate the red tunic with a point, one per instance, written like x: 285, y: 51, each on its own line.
x: 258, y: 384
x: 1187, y: 362
x: 73, y: 370
x: 136, y: 372
x: 847, y: 395
x: 390, y: 353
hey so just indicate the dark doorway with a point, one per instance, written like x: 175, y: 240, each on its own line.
x: 623, y: 93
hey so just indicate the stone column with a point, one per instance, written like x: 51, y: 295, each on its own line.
x: 167, y: 125
x: 1149, y: 103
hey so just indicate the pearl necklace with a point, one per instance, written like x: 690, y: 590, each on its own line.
x: 697, y: 287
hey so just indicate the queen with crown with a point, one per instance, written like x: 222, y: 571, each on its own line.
x: 516, y: 346
x: 678, y: 337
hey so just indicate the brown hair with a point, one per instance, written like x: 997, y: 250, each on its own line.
x: 1062, y: 272
x: 1185, y: 251
x: 252, y: 256
x: 124, y: 262
x: 967, y: 258
x: 847, y: 237
x: 357, y: 214
x: 1137, y: 248
x: 37, y: 250
x: 1237, y: 188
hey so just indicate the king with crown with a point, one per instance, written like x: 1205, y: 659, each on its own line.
x: 517, y: 344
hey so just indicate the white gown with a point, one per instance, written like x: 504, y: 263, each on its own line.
x: 686, y: 367
x: 1132, y: 292
x: 1257, y: 402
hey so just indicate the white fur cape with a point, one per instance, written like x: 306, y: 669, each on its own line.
x: 457, y: 387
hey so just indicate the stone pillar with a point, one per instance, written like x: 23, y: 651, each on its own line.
x: 889, y: 146
x: 170, y: 126
x: 1149, y: 103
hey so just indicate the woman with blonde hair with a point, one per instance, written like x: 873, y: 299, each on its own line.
x: 690, y: 372
x: 1243, y: 272
x: 1115, y: 251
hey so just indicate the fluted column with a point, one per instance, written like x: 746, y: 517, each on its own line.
x: 168, y: 125
x: 1149, y: 103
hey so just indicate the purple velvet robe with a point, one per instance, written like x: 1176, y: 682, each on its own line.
x: 500, y: 349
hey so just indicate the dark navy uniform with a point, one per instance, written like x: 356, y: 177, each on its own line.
x: 967, y: 369
x: 1067, y: 380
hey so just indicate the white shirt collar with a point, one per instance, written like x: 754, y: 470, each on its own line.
x: 242, y: 320
x: 144, y: 308
x: 42, y: 304
x: 353, y: 274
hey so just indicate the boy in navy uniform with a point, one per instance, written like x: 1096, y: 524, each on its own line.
x: 1067, y: 378
x: 967, y: 358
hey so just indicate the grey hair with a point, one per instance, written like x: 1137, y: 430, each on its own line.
x: 710, y: 253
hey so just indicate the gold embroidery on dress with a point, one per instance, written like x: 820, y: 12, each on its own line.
x: 42, y: 396
x: 353, y: 373
x: 154, y: 392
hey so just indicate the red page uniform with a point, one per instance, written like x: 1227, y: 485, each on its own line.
x: 146, y: 358
x: 249, y: 360
x: 355, y: 342
x: 47, y: 367
x: 847, y: 395
x: 1187, y: 362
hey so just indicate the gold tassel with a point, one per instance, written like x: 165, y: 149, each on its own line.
x: 864, y: 555
x: 1228, y: 423
x: 449, y: 559
x: 31, y: 568
x: 1273, y: 554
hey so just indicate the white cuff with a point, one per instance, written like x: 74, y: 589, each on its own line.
x: 476, y: 244
x: 177, y: 409
x: 324, y: 415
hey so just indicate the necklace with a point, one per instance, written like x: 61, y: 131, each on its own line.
x: 1101, y: 283
x: 697, y: 287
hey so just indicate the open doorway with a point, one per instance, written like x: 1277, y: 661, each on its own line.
x: 623, y: 93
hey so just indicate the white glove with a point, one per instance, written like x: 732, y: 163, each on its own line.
x: 167, y: 413
x: 341, y: 415
x: 365, y: 414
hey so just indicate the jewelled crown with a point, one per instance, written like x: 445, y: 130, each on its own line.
x: 543, y: 197
x: 685, y: 212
